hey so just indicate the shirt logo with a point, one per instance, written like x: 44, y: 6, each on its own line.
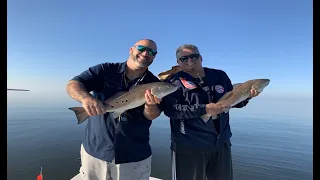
x: 188, y: 84
x: 182, y: 130
x: 219, y: 89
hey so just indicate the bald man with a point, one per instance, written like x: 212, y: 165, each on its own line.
x: 117, y: 149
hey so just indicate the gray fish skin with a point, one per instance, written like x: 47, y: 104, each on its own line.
x: 240, y: 92
x: 133, y: 98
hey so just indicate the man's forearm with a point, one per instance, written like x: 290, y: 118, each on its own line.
x: 77, y: 91
x: 151, y: 111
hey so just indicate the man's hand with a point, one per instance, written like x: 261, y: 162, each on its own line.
x: 93, y: 106
x: 215, y: 109
x: 151, y: 110
x: 151, y: 99
x: 253, y: 93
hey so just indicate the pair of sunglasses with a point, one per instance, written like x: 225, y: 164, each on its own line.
x: 193, y: 57
x: 151, y: 52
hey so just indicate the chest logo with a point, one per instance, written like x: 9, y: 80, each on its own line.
x: 219, y: 89
x: 188, y: 84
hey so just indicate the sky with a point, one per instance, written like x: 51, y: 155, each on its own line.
x: 51, y: 41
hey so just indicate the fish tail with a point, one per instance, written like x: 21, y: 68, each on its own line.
x: 205, y: 117
x: 81, y: 114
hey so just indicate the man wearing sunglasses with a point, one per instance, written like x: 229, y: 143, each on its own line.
x: 200, y: 149
x: 117, y: 149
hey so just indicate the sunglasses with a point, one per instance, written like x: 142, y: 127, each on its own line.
x: 151, y: 52
x: 193, y: 57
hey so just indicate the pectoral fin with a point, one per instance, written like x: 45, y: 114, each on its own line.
x: 205, y: 117
x: 153, y: 92
x: 214, y: 117
x: 116, y: 114
x: 226, y: 110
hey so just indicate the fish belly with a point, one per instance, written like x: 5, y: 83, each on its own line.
x: 242, y: 98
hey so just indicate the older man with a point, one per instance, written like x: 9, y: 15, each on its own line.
x: 117, y: 149
x: 200, y: 149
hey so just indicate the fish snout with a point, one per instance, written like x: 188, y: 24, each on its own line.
x: 266, y: 82
x: 261, y: 84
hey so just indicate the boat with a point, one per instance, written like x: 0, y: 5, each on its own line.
x: 78, y: 177
x: 17, y: 89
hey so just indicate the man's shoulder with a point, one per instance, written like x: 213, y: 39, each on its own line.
x: 216, y: 72
x: 107, y: 66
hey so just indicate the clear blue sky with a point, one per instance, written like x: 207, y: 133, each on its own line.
x: 49, y: 42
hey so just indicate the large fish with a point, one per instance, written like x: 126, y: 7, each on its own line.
x: 135, y: 97
x: 240, y: 92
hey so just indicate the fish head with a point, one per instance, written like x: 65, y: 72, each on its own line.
x: 260, y: 84
x: 163, y: 89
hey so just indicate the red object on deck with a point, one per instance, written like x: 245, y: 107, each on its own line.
x: 39, y: 177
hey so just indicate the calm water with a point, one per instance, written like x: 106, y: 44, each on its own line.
x: 272, y: 140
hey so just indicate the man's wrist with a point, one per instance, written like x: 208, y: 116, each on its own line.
x: 151, y: 111
x: 149, y: 105
x: 85, y: 96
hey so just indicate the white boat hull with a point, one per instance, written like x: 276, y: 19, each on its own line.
x: 78, y: 177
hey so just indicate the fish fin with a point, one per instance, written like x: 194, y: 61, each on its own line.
x: 81, y: 114
x: 236, y: 85
x: 116, y: 114
x: 205, y: 117
x: 214, y: 117
x: 153, y: 92
x: 226, y: 110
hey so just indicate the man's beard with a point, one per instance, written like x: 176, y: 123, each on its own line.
x: 141, y: 63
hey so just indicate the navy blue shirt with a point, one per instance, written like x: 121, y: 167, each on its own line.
x: 185, y: 107
x: 107, y: 138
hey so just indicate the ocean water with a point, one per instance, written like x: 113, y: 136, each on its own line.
x: 272, y: 139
